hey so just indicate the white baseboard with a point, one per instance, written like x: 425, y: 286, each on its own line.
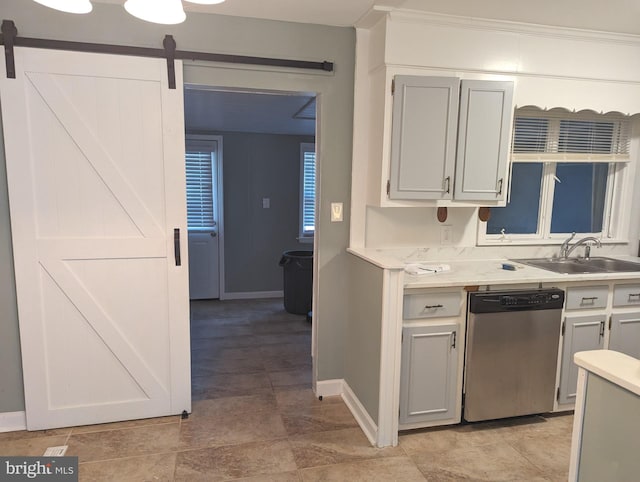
x: 248, y: 295
x: 13, y: 421
x: 329, y: 388
x: 365, y: 421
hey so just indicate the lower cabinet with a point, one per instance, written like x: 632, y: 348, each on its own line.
x: 625, y: 333
x: 428, y: 381
x: 581, y: 333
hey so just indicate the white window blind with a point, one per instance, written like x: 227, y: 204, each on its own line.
x: 559, y: 135
x: 308, y: 189
x: 200, y: 192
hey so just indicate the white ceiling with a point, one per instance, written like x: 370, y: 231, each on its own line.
x: 621, y: 16
x: 270, y: 113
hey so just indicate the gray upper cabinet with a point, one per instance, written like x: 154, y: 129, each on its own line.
x: 486, y: 110
x: 431, y: 115
x: 425, y: 119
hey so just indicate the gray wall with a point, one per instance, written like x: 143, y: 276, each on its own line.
x: 11, y: 390
x: 257, y: 166
x: 111, y: 24
x: 364, y: 334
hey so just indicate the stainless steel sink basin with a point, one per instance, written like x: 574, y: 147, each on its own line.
x: 581, y: 265
x: 611, y: 265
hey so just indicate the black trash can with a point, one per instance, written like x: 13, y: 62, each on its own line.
x: 298, y: 281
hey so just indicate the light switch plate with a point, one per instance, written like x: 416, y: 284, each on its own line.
x: 336, y: 212
x: 266, y: 203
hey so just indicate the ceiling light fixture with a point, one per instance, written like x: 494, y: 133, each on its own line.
x: 69, y: 6
x: 167, y: 12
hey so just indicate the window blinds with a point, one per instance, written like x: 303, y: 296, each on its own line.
x: 558, y: 135
x: 200, y: 195
x: 308, y: 192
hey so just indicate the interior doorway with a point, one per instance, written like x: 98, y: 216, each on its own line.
x: 253, y: 184
x: 253, y: 200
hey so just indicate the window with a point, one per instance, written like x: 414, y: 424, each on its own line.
x: 565, y: 170
x: 307, y: 191
x: 201, y: 170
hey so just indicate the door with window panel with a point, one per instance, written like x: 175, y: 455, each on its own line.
x: 203, y: 170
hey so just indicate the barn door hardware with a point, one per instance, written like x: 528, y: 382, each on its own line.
x: 9, y: 34
x: 10, y: 40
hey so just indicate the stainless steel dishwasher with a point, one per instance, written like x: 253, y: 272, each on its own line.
x: 512, y: 353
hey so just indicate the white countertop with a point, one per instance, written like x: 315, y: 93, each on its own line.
x: 471, y: 272
x: 618, y: 368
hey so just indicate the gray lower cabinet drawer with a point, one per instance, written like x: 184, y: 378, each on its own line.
x: 425, y: 304
x: 586, y: 297
x: 626, y: 295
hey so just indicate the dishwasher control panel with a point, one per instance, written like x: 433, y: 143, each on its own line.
x: 527, y: 300
x: 496, y: 301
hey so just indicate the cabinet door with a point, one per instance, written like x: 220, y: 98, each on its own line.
x: 486, y: 110
x: 625, y: 334
x: 581, y: 333
x: 428, y: 373
x: 423, y: 139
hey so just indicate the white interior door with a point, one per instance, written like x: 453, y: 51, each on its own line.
x: 204, y: 184
x: 95, y: 149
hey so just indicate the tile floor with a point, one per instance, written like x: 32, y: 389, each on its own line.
x: 255, y: 418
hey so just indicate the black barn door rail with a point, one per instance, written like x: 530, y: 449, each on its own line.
x: 10, y: 39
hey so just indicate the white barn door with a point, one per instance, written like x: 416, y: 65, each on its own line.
x: 95, y: 165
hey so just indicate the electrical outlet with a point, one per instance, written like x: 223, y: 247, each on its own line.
x: 445, y: 235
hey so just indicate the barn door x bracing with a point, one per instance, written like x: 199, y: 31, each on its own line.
x: 95, y: 165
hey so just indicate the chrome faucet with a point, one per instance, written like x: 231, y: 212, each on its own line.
x: 566, y: 250
x: 565, y: 246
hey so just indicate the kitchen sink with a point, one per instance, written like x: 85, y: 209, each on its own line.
x: 611, y: 265
x: 581, y: 265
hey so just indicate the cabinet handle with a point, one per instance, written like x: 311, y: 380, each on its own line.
x: 500, y: 182
x: 454, y: 338
x: 432, y: 307
x: 447, y: 183
x: 590, y: 299
x: 634, y: 295
x: 601, y: 329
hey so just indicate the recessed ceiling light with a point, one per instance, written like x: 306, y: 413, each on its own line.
x: 69, y: 6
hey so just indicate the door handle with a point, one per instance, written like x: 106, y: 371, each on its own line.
x: 176, y: 246
x: 213, y: 234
